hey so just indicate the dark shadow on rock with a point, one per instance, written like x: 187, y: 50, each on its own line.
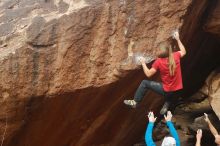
x: 100, y: 119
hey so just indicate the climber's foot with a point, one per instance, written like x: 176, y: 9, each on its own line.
x: 131, y: 103
x: 164, y: 108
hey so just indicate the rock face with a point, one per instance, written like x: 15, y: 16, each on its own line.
x: 212, y: 90
x: 49, y: 37
x: 200, y: 61
x: 213, y: 23
x: 189, y: 118
x: 65, y: 68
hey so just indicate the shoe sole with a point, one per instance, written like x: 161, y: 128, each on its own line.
x: 163, y: 111
x: 131, y: 106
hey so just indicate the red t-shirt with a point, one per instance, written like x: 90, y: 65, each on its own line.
x: 170, y: 83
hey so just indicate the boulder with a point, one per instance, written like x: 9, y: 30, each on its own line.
x: 67, y: 65
x: 212, y: 89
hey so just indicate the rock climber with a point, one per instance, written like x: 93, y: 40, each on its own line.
x: 168, y: 64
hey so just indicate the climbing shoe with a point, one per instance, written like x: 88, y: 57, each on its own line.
x: 164, y: 108
x: 131, y: 103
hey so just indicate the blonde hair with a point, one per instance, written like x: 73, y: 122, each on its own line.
x: 168, y: 52
x: 171, y: 62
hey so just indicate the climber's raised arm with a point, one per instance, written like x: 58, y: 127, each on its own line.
x: 180, y: 44
x: 148, y: 72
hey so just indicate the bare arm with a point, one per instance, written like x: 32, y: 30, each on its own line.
x: 182, y: 48
x: 198, y: 142
x: 148, y: 72
x: 211, y: 127
x: 180, y: 44
x: 198, y: 137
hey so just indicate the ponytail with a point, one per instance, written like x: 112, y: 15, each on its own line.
x: 171, y: 62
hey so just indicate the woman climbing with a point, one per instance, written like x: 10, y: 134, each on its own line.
x: 168, y: 64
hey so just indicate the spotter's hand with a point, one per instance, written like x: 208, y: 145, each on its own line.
x: 151, y: 117
x: 206, y: 117
x: 199, y: 134
x: 168, y: 117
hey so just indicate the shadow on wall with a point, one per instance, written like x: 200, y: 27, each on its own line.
x: 92, y: 116
x: 202, y: 48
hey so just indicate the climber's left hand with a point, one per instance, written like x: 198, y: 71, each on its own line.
x: 142, y: 60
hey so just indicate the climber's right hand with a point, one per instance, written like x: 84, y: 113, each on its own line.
x: 176, y: 35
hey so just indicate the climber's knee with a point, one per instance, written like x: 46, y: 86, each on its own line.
x: 145, y: 83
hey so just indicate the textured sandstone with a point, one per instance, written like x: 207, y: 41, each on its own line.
x: 213, y: 22
x: 65, y: 68
x: 212, y: 90
x: 55, y: 48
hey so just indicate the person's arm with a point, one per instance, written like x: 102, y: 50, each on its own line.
x: 172, y: 128
x: 148, y: 135
x: 148, y: 72
x: 211, y: 127
x: 180, y: 44
x: 198, y: 137
x: 173, y: 132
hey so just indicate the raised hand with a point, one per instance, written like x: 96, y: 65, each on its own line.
x: 151, y: 117
x: 206, y: 117
x: 142, y: 60
x: 198, y: 137
x: 168, y: 117
x: 176, y: 35
x: 199, y: 134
